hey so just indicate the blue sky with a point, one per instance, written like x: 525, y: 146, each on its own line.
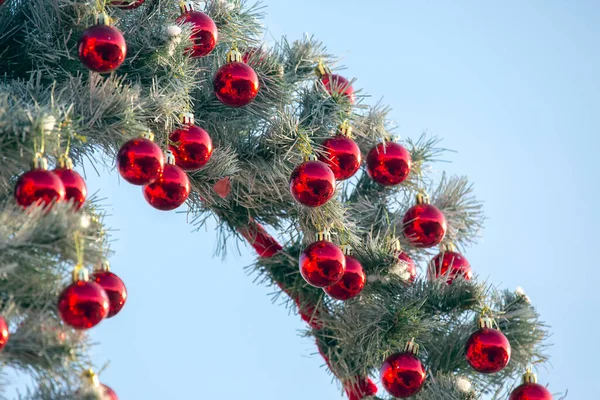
x: 512, y: 86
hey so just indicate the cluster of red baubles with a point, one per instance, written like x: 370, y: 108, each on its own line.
x: 88, y: 300
x: 102, y: 48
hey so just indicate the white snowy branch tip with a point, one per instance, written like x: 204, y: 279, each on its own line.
x: 521, y: 293
x: 173, y: 30
x: 463, y: 384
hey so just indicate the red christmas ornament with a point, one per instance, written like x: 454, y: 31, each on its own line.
x: 312, y: 183
x: 424, y: 225
x: 264, y: 244
x: 113, y: 286
x: 337, y: 84
x: 4, y: 334
x: 322, y: 263
x: 91, y: 385
x: 488, y: 350
x: 126, y: 4
x: 530, y: 389
x: 191, y: 145
x: 140, y: 161
x: 388, y: 163
x: 352, y: 282
x: 108, y: 393
x: 235, y: 83
x: 39, y: 186
x: 102, y: 47
x: 253, y: 54
x: 83, y: 304
x: 361, y: 388
x: 450, y: 264
x: 204, y: 30
x: 171, y: 189
x: 409, y: 268
x: 75, y: 187
x: 403, y: 374
x: 342, y: 154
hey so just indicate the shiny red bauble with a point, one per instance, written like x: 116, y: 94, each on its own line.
x: 450, y: 265
x: 40, y: 187
x: 402, y: 375
x: 102, y: 48
x: 342, y: 155
x: 4, y: 334
x: 424, y: 225
x: 192, y: 147
x: 410, y: 266
x: 388, y: 163
x: 126, y: 4
x: 530, y: 391
x: 337, y: 84
x: 115, y: 290
x: 236, y: 84
x: 312, y: 183
x: 170, y: 190
x: 83, y: 304
x: 352, y: 282
x: 322, y: 264
x: 488, y: 350
x: 140, y: 161
x: 75, y: 187
x: 108, y: 393
x: 204, y: 31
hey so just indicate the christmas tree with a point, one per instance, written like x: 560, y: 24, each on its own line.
x: 269, y: 140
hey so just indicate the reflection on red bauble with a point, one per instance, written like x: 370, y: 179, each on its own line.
x: 530, y: 391
x: 140, y: 161
x: 115, y: 290
x: 83, y: 304
x: 402, y: 375
x: 108, y: 393
x: 312, y: 183
x: 192, y: 147
x: 126, y: 4
x: 236, y: 84
x: 488, y: 350
x: 4, y: 334
x: 388, y: 163
x: 424, y: 225
x: 337, y: 84
x: 352, y: 282
x: 75, y: 187
x: 410, y: 268
x: 39, y: 186
x: 322, y: 263
x: 342, y: 155
x: 102, y: 48
x: 204, y: 31
x: 450, y: 265
x: 170, y: 190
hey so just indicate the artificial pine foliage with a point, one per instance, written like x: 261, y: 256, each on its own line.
x: 256, y: 148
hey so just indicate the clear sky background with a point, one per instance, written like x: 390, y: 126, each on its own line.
x: 512, y: 86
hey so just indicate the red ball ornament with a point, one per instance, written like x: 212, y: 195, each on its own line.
x: 530, y: 389
x: 102, y: 48
x: 352, y: 282
x: 83, y: 304
x: 409, y: 266
x: 235, y: 83
x: 312, y: 183
x: 342, y: 155
x: 140, y: 161
x: 337, y: 84
x: 114, y: 287
x: 403, y: 374
x: 108, y: 393
x: 322, y: 263
x: 126, y: 4
x: 39, y: 186
x: 4, y: 334
x: 204, y: 30
x: 488, y: 350
x: 170, y: 190
x: 388, y: 163
x: 75, y: 187
x: 191, y: 145
x: 424, y: 225
x: 450, y: 264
